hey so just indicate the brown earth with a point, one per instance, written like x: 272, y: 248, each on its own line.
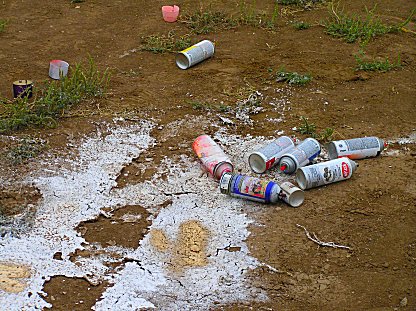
x: 373, y: 213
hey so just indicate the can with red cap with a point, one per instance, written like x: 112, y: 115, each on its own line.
x: 300, y: 156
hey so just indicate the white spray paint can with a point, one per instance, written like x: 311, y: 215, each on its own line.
x: 258, y: 190
x: 269, y: 155
x: 356, y: 148
x: 300, y: 155
x: 195, y: 54
x: 325, y: 173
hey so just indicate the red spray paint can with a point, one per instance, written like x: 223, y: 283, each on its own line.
x: 212, y: 156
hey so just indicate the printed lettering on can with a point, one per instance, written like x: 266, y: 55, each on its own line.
x: 251, y: 186
x: 345, y: 169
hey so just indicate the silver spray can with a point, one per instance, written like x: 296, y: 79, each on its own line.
x: 325, y: 173
x: 356, y: 148
x: 195, y: 54
x: 300, y: 155
x: 269, y: 155
x: 264, y: 191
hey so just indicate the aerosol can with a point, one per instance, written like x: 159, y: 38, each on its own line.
x: 269, y: 155
x: 356, y: 148
x: 300, y: 155
x: 264, y: 191
x: 212, y: 156
x: 328, y: 172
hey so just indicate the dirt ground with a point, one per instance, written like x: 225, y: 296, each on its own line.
x: 373, y: 213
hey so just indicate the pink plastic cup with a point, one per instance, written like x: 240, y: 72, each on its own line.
x: 170, y: 13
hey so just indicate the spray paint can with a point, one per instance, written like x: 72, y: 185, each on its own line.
x: 23, y: 88
x: 195, y: 54
x: 300, y: 155
x: 356, y: 148
x: 212, y: 156
x: 325, y: 173
x: 269, y: 155
x: 258, y: 190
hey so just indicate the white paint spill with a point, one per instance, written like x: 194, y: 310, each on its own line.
x: 69, y: 198
x: 77, y: 194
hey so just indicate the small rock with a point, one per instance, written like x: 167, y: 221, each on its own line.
x: 403, y: 302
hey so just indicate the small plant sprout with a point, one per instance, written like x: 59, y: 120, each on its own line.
x: 162, y: 44
x: 301, y: 25
x: 292, y: 77
x: 376, y: 64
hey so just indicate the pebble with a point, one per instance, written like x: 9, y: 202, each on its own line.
x: 403, y: 302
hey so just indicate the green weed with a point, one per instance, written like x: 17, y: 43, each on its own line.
x: 77, y: 1
x: 206, y: 21
x: 354, y: 27
x: 301, y: 25
x: 376, y: 65
x: 292, y: 77
x: 54, y: 99
x: 309, y: 129
x: 203, y: 22
x: 3, y: 24
x: 162, y: 44
x: 26, y: 149
x: 300, y: 2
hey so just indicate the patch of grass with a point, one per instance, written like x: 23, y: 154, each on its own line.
x: 163, y: 44
x: 26, y: 149
x: 354, y: 27
x: 203, y: 22
x: 307, y: 3
x: 301, y: 25
x: 308, y: 128
x: 3, y: 24
x: 376, y: 65
x: 54, y: 99
x: 206, y: 21
x: 292, y: 77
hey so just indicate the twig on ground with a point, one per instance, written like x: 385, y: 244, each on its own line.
x: 319, y: 242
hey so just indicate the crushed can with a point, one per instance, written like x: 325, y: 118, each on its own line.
x: 212, y: 156
x: 356, y: 148
x: 258, y: 190
x: 325, y: 173
x: 269, y: 155
x: 299, y: 156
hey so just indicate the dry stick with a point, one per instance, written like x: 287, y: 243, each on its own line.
x: 319, y: 242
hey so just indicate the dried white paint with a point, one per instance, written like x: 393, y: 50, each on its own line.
x: 73, y: 195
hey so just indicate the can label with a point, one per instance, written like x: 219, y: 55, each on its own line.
x: 358, y: 148
x: 251, y: 187
x: 209, y: 153
x: 306, y: 151
x: 286, y: 189
x: 199, y: 51
x: 273, y: 151
x: 327, y: 172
